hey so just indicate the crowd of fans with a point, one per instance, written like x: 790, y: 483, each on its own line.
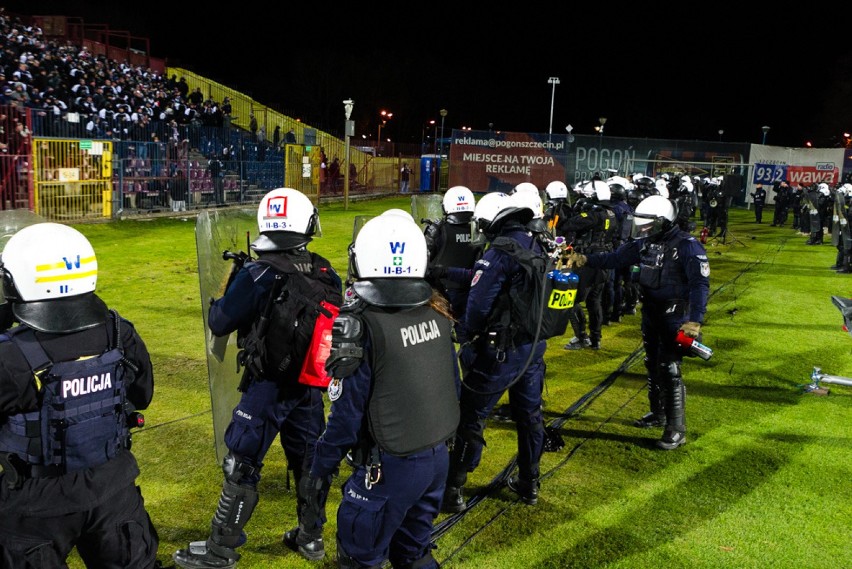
x: 76, y: 93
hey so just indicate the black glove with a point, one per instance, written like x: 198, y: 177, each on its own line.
x: 436, y: 272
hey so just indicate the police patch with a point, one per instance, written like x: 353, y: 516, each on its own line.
x: 335, y: 389
x: 475, y: 278
x: 705, y: 269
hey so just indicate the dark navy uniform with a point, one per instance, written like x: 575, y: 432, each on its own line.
x: 624, y: 293
x: 450, y: 245
x: 593, y: 231
x: 674, y: 276
x: 492, y: 358
x: 52, y: 508
x: 267, y: 409
x: 759, y: 196
x: 397, y: 408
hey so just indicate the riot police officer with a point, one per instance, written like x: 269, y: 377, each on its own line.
x: 74, y: 374
x: 449, y: 244
x: 497, y: 354
x: 394, y: 401
x: 675, y: 286
x: 624, y: 293
x: 269, y: 407
x: 591, y: 230
x: 557, y: 209
x: 813, y: 198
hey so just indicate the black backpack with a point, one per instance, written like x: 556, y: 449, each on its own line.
x: 292, y: 338
x: 540, y: 307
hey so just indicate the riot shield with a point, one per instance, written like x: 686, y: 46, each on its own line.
x: 837, y: 217
x: 845, y: 229
x: 218, y: 232
x: 359, y: 222
x: 11, y: 221
x: 427, y: 208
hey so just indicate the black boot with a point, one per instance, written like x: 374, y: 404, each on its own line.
x: 527, y: 491
x: 205, y: 555
x: 306, y: 544
x: 453, y: 501
x: 675, y: 433
x: 649, y: 420
x: 236, y: 505
x: 656, y: 417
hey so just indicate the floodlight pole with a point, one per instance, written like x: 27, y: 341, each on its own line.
x: 552, y: 81
x: 349, y: 131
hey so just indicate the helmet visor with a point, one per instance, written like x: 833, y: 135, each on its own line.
x: 645, y: 225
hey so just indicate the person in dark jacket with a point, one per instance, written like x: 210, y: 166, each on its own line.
x: 498, y: 356
x: 450, y: 244
x: 73, y: 375
x: 592, y: 228
x: 179, y: 191
x: 759, y: 197
x: 394, y: 401
x: 269, y: 408
x: 675, y: 281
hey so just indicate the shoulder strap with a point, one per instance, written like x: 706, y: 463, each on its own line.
x: 36, y: 357
x: 280, y: 263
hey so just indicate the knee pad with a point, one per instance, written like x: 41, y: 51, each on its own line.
x: 670, y: 372
x: 236, y: 468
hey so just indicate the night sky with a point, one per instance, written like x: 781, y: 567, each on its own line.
x: 652, y: 75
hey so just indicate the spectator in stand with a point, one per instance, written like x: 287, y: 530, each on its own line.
x: 253, y: 126
x: 276, y: 138
x: 215, y: 167
x: 226, y: 112
x: 179, y: 190
x: 290, y: 137
x: 196, y: 97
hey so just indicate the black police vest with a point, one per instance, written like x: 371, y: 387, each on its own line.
x: 659, y: 267
x: 456, y: 250
x: 605, y: 233
x: 414, y: 405
x: 82, y: 422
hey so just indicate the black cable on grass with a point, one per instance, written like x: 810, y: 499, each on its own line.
x: 578, y: 406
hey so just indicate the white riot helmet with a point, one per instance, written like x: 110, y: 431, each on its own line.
x: 527, y: 195
x: 653, y: 216
x: 823, y: 189
x: 662, y: 187
x: 286, y: 219
x: 389, y: 246
x: 495, y: 207
x: 621, y: 181
x: 600, y: 190
x: 50, y: 272
x: 525, y: 187
x: 556, y: 190
x: 847, y: 189
x: 458, y: 199
x: 399, y: 213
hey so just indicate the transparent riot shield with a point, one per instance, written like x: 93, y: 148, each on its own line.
x: 11, y: 221
x: 220, y: 236
x: 838, y: 216
x: 427, y: 208
x: 358, y: 223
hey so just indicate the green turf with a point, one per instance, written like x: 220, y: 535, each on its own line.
x: 762, y: 482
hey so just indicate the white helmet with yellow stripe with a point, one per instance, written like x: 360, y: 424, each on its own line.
x: 50, y: 273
